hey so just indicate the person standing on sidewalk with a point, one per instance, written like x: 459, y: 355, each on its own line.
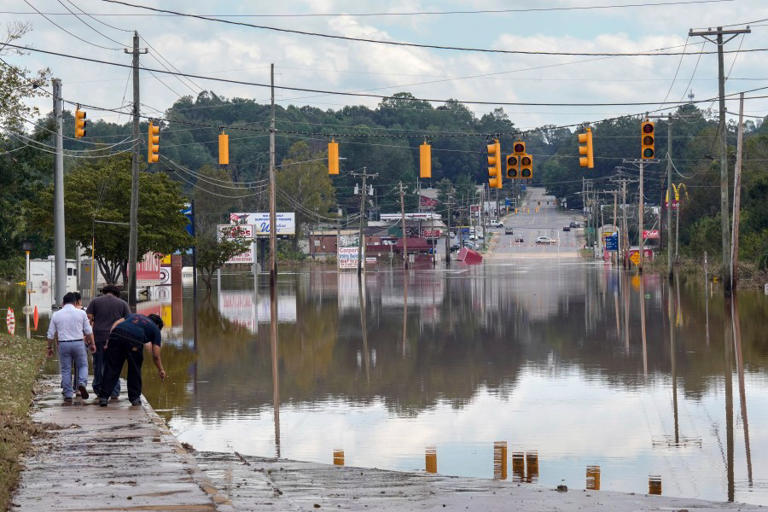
x: 129, y: 337
x: 103, y: 311
x: 71, y: 326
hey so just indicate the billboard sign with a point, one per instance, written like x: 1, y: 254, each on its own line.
x: 148, y: 269
x: 347, y: 258
x: 286, y: 222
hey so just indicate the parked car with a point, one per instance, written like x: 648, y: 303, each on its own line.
x: 545, y: 240
x: 508, y: 231
x: 566, y: 228
x: 497, y: 224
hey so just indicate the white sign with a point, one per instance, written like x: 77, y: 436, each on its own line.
x: 249, y: 256
x: 286, y: 222
x: 347, y: 257
x: 394, y: 217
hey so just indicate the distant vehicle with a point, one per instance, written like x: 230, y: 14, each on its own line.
x: 545, y: 240
x: 519, y: 239
x: 497, y: 224
x: 566, y: 228
x: 508, y: 231
x: 574, y: 224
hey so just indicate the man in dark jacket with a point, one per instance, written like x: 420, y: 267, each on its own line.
x: 103, y: 311
x: 127, y: 341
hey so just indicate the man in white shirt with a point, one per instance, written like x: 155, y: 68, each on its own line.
x: 71, y: 326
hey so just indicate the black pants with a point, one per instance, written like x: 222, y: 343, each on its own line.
x: 119, y: 349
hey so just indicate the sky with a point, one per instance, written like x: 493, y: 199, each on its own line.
x: 244, y: 53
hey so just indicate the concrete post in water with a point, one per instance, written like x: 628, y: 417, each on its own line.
x: 500, y: 460
x: 338, y: 457
x: 431, y: 459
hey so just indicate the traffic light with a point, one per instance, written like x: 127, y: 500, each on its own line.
x: 79, y: 123
x: 333, y: 157
x: 223, y: 149
x: 494, y: 164
x: 518, y: 148
x: 648, y: 134
x: 153, y: 143
x: 425, y: 160
x: 588, y: 158
x: 526, y: 166
x: 513, y: 166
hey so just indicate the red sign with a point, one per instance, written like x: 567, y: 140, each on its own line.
x: 149, y: 268
x: 649, y: 234
x: 430, y: 233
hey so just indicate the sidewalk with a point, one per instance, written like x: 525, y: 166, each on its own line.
x: 114, y: 458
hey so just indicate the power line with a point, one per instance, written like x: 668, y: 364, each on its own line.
x: 363, y: 95
x: 87, y: 24
x: 67, y: 31
x: 391, y: 43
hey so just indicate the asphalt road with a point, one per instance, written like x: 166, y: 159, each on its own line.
x: 538, y: 216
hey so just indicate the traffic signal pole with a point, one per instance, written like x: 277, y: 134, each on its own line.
x: 133, y: 233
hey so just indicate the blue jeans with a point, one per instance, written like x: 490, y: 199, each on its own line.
x: 72, y: 351
x: 98, y: 370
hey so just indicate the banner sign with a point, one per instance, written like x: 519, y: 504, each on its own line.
x: 650, y: 234
x: 286, y: 222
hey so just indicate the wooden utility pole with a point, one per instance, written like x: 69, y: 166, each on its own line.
x: 640, y: 211
x: 363, y: 201
x: 402, y: 220
x: 669, y: 196
x: 615, y: 227
x: 624, y: 234
x: 448, y: 234
x: 272, y: 184
x: 133, y: 232
x: 59, y: 233
x: 734, y: 277
x: 725, y: 227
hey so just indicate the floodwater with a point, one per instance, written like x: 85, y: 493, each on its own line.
x: 535, y: 372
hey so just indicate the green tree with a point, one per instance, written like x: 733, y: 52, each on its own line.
x: 303, y: 186
x: 213, y: 253
x: 97, y: 198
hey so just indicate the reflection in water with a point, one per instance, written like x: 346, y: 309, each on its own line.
x: 490, y: 349
x: 727, y: 372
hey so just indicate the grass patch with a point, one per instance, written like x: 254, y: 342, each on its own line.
x: 20, y: 363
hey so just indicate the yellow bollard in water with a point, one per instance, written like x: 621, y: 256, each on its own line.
x: 431, y: 459
x: 518, y: 467
x: 532, y: 466
x: 593, y: 478
x: 500, y: 460
x: 654, y: 484
x: 338, y: 457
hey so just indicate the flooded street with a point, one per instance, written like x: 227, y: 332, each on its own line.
x: 435, y: 371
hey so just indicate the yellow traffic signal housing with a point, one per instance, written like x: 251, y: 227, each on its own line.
x: 494, y: 164
x: 79, y: 123
x: 518, y: 148
x: 585, y: 149
x: 648, y: 142
x: 223, y: 149
x: 333, y: 157
x: 425, y: 161
x: 526, y: 166
x: 513, y: 167
x: 153, y: 143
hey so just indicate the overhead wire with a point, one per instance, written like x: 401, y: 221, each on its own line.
x: 67, y: 31
x: 89, y: 25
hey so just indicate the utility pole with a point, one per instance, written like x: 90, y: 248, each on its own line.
x: 725, y: 228
x: 58, y: 203
x: 640, y: 211
x: 402, y: 220
x: 363, y: 201
x: 615, y: 227
x: 133, y: 234
x: 734, y: 277
x: 669, y: 196
x: 272, y: 185
x: 624, y: 234
x: 449, y: 203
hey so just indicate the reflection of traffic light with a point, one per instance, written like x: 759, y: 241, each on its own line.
x: 153, y: 143
x: 79, y: 123
x: 587, y: 159
x: 223, y: 149
x: 425, y: 160
x: 333, y: 157
x: 518, y: 148
x: 513, y: 166
x: 494, y: 164
x: 648, y: 134
x: 526, y: 166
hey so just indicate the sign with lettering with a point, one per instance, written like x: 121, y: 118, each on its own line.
x: 286, y: 222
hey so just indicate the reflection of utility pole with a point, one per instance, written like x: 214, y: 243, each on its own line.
x: 742, y: 392
x: 724, y: 214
